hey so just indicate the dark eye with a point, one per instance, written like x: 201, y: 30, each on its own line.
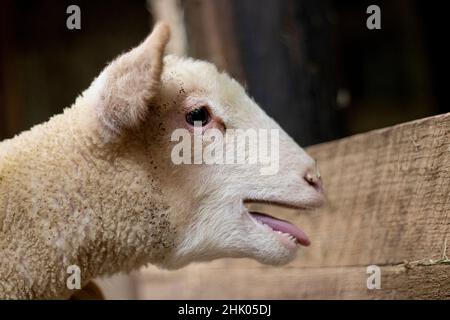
x: 198, y: 115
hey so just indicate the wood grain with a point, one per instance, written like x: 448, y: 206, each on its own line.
x: 217, y: 282
x: 388, y: 205
x: 211, y: 35
x: 388, y: 196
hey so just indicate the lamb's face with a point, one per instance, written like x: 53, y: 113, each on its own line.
x: 162, y: 99
x: 210, y: 200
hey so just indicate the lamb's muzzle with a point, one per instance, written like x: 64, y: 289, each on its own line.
x: 314, y: 179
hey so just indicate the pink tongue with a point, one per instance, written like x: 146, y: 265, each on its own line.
x: 283, y: 226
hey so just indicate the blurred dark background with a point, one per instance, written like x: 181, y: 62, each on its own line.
x: 312, y: 65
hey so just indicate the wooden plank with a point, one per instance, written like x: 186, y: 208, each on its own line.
x: 219, y: 282
x: 211, y: 35
x: 388, y: 196
x: 388, y: 202
x: 170, y: 12
x: 286, y: 61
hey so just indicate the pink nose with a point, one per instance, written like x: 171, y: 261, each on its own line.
x: 312, y: 177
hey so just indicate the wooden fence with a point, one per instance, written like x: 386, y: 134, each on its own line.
x: 388, y: 205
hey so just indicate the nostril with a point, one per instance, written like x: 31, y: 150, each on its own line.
x: 314, y: 180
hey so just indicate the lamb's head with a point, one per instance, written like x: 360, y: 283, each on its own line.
x: 173, y: 102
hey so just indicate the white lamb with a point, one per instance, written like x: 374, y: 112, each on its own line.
x: 96, y: 187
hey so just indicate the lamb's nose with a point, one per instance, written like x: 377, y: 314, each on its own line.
x: 313, y: 178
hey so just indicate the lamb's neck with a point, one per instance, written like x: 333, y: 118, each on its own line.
x: 76, y: 202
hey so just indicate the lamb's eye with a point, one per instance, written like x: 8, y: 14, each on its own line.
x: 198, y: 115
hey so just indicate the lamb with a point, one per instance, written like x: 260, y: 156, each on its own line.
x: 95, y: 186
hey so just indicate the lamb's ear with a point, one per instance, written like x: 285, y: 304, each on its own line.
x: 131, y: 81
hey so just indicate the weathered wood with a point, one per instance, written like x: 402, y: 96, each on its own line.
x: 285, y: 52
x: 217, y: 281
x: 388, y: 202
x: 388, y: 196
x: 211, y: 35
x: 170, y: 11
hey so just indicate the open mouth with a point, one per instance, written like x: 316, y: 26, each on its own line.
x: 287, y: 232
